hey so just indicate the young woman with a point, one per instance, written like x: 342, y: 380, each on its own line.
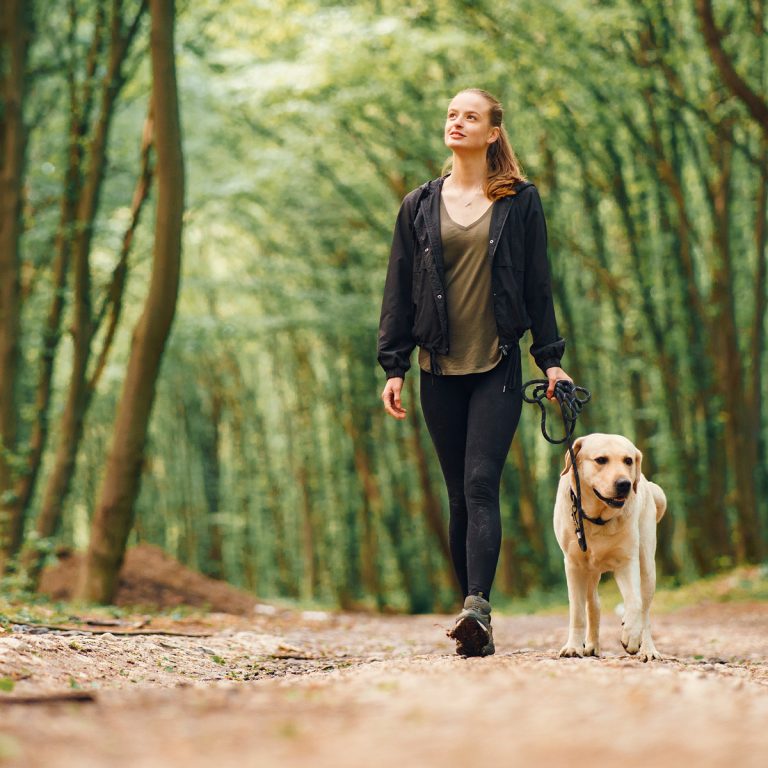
x: 468, y: 275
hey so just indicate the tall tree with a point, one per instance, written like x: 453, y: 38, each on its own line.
x: 114, y: 513
x: 85, y: 321
x: 15, y: 33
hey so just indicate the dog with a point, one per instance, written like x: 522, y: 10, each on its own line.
x: 614, y: 489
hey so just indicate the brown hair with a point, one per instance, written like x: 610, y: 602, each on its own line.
x: 504, y: 169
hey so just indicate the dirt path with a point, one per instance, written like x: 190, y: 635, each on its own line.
x: 342, y: 690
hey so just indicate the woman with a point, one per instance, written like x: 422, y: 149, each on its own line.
x: 467, y: 276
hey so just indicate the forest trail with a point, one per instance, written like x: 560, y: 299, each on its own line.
x: 321, y: 689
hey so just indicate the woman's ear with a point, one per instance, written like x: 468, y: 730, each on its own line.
x: 638, y: 468
x: 576, y: 449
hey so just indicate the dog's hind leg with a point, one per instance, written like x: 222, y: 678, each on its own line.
x: 647, y: 588
x: 659, y: 500
x: 592, y: 646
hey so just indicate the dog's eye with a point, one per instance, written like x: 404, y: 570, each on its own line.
x: 628, y: 461
x: 601, y: 460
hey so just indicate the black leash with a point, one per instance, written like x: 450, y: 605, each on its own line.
x: 571, y: 399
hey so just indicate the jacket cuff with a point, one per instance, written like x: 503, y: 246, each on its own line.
x: 398, y: 373
x: 549, y: 363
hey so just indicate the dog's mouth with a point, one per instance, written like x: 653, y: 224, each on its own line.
x: 616, y: 501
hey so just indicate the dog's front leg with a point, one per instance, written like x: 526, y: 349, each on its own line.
x: 577, y: 598
x: 628, y: 579
x: 647, y: 588
x: 592, y: 647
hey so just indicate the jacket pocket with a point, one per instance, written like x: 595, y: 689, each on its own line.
x: 424, y: 311
x: 509, y: 302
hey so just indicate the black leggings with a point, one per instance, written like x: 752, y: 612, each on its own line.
x: 472, y: 422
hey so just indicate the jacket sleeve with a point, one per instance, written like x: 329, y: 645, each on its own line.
x: 395, y: 342
x: 548, y: 346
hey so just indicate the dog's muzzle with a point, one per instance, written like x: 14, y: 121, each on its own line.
x: 617, y: 501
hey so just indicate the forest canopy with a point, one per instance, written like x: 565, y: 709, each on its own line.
x: 268, y: 460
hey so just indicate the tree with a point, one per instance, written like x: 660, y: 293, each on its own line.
x: 15, y: 33
x: 114, y: 513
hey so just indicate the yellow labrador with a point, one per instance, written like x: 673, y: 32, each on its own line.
x: 614, y: 489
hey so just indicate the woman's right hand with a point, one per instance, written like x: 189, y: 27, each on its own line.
x: 391, y: 397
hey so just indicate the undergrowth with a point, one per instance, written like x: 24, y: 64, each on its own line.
x: 742, y: 584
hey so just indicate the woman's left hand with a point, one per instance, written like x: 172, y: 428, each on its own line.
x: 554, y: 374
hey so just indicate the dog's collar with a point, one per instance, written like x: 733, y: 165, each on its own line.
x: 595, y: 520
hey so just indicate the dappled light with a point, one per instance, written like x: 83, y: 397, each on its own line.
x: 197, y: 210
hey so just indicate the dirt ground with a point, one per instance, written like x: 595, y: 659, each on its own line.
x: 290, y: 689
x: 275, y: 687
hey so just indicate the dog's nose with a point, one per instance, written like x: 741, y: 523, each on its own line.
x: 622, y: 487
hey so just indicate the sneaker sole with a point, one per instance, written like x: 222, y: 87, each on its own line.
x: 470, y: 636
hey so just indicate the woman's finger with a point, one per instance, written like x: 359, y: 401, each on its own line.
x: 393, y: 405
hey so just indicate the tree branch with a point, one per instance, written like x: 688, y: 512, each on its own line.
x: 757, y: 106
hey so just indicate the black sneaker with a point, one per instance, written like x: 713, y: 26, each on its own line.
x: 472, y: 631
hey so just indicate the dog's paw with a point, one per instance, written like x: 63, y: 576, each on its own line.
x: 570, y: 652
x: 631, y: 640
x: 592, y: 650
x: 648, y: 652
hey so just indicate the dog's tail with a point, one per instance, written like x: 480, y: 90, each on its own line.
x: 659, y: 499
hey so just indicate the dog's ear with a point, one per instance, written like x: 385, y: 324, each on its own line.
x: 576, y: 449
x: 638, y: 468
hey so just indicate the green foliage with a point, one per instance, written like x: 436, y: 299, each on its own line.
x: 269, y: 462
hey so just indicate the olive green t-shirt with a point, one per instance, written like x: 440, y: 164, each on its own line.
x: 474, y: 340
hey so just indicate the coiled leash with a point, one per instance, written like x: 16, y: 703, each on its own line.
x: 572, y: 399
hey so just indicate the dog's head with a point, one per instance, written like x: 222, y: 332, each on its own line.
x: 609, y: 465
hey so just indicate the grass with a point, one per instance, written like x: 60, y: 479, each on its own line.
x: 35, y: 609
x: 742, y: 584
x: 738, y: 585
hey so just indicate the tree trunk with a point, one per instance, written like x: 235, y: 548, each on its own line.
x: 757, y: 346
x: 49, y: 518
x: 115, y: 510
x: 740, y: 425
x: 15, y: 33
x: 85, y: 324
x: 371, y: 506
x: 210, y: 450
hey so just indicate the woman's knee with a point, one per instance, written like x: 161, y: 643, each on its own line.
x: 457, y: 503
x: 481, y: 484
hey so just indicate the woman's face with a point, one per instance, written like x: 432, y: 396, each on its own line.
x: 468, y: 124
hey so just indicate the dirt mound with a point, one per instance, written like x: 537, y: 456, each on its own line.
x: 151, y: 577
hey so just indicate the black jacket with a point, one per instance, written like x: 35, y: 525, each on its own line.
x: 413, y: 310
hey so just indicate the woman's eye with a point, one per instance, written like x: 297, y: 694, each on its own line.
x: 601, y: 460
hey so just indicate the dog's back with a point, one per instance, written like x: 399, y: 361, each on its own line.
x: 659, y: 499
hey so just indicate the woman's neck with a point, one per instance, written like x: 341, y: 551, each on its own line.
x: 469, y: 172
